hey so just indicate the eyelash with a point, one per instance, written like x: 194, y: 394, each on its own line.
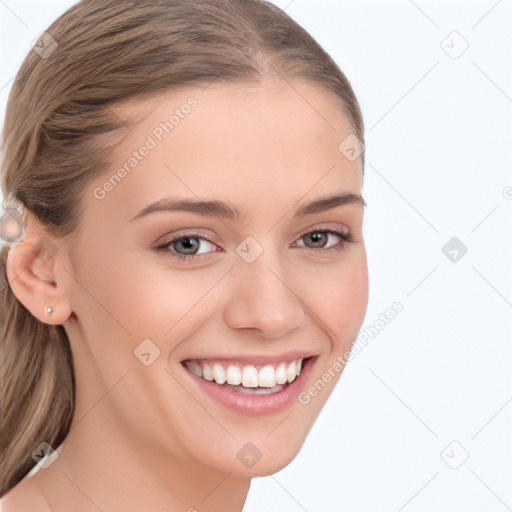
x: 345, y: 238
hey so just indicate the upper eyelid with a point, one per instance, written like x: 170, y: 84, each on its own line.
x: 192, y: 233
x: 184, y: 232
x: 326, y: 226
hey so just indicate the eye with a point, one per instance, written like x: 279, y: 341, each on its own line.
x: 190, y: 246
x: 325, y: 239
x: 187, y: 247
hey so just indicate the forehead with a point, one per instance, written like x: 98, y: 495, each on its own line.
x: 246, y: 142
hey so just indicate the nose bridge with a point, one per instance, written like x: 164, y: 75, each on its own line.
x: 262, y: 297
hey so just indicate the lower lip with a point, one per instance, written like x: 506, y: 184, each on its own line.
x: 251, y: 403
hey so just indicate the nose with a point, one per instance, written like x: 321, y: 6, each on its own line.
x: 263, y: 299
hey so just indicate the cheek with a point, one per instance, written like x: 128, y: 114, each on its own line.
x: 341, y: 298
x: 353, y: 293
x: 155, y: 299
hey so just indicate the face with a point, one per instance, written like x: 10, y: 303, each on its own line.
x: 230, y: 247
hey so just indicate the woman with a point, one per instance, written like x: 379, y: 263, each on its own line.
x: 193, y: 274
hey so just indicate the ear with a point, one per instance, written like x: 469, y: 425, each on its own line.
x: 37, y: 276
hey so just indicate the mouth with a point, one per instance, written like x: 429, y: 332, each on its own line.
x: 251, y: 388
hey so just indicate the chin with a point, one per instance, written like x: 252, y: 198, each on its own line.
x: 258, y: 458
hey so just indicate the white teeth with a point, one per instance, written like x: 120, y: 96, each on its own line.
x: 250, y: 377
x: 299, y: 366
x: 267, y: 377
x: 291, y: 372
x: 207, y: 372
x: 234, y: 375
x: 219, y: 373
x: 281, y: 375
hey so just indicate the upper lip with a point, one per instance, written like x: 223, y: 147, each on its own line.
x: 255, y: 358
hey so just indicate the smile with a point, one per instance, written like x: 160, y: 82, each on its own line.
x: 250, y: 387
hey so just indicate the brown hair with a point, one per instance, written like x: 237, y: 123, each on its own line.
x: 54, y: 142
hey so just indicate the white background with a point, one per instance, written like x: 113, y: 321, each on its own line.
x: 438, y: 152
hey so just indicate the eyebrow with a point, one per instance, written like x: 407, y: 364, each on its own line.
x: 229, y: 211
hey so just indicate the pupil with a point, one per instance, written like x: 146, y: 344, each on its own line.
x: 318, y: 237
x: 189, y: 244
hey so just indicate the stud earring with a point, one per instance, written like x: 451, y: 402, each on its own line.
x: 49, y: 310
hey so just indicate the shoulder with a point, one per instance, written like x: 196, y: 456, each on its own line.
x: 24, y: 497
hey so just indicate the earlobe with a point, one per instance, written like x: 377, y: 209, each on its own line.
x: 33, y: 274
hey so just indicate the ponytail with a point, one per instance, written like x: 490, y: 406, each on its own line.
x: 36, y: 384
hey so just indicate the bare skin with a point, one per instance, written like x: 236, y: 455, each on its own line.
x: 144, y: 438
